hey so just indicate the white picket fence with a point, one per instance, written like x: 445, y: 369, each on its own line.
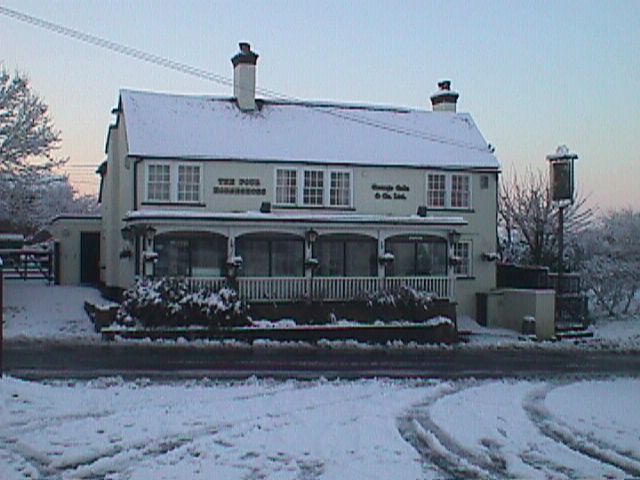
x: 269, y: 289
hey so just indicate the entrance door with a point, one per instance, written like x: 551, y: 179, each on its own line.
x: 89, y: 258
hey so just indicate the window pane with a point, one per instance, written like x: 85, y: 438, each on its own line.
x: 417, y: 257
x: 286, y: 186
x: 431, y: 258
x: 361, y: 258
x: 313, y: 191
x: 287, y: 258
x: 403, y: 264
x: 173, y: 257
x: 463, y: 251
x: 340, y: 189
x: 188, y: 183
x: 159, y: 183
x: 460, y: 191
x: 330, y: 254
x: 208, y: 256
x: 255, y: 256
x: 436, y: 190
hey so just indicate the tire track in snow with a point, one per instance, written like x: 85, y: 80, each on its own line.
x: 437, y: 448
x: 120, y: 458
x: 48, y: 467
x: 555, y: 429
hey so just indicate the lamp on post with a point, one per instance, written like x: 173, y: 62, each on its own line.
x: 561, y: 179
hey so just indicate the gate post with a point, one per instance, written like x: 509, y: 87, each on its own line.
x: 1, y: 316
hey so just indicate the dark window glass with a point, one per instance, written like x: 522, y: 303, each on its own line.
x: 417, y: 257
x: 275, y: 257
x: 346, y: 257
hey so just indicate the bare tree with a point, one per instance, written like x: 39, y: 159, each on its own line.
x: 528, y: 220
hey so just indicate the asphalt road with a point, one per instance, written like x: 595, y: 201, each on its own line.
x: 42, y: 360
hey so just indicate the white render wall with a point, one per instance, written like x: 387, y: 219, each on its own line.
x: 67, y: 232
x: 481, y: 218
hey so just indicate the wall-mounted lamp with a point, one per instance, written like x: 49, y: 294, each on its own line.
x: 454, y: 236
x: 422, y: 210
x: 150, y: 232
x: 127, y: 233
x: 311, y: 235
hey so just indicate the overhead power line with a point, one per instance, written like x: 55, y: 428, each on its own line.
x: 221, y: 79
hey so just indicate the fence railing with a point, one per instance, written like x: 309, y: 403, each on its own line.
x: 269, y: 289
x: 28, y: 264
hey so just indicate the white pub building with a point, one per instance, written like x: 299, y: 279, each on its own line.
x: 297, y: 200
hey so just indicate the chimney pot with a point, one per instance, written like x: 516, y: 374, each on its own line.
x: 445, y: 99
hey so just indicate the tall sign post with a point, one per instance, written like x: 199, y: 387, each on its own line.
x: 561, y: 179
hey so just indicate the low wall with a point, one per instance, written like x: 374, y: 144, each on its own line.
x: 507, y: 307
x: 323, y: 312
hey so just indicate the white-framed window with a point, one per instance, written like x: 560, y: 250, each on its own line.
x: 173, y: 182
x: 460, y: 191
x: 340, y: 188
x: 188, y: 183
x: 462, y: 250
x: 159, y: 182
x: 313, y: 187
x: 436, y: 190
x: 449, y: 190
x: 286, y: 186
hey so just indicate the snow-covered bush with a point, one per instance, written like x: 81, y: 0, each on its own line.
x: 404, y: 303
x: 170, y: 302
x: 610, y: 262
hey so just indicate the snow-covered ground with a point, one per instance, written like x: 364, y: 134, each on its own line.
x: 369, y: 429
x: 35, y: 310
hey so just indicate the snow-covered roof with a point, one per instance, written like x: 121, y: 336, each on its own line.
x: 180, y: 126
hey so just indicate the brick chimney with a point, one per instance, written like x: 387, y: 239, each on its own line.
x: 445, y: 99
x: 244, y: 77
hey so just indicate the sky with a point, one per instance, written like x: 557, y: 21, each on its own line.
x: 533, y: 74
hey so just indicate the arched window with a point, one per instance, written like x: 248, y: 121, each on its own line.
x: 271, y: 255
x: 416, y: 256
x: 345, y: 255
x: 188, y: 254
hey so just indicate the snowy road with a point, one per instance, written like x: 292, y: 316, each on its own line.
x: 366, y: 429
x: 39, y: 360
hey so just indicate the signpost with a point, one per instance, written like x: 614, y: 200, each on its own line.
x: 561, y: 178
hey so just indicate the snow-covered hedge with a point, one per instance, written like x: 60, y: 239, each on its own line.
x: 404, y: 303
x: 171, y: 302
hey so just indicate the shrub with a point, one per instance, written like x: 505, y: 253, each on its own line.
x: 170, y: 302
x: 404, y: 303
